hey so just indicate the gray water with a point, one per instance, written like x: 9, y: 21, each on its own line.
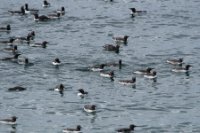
x: 170, y: 29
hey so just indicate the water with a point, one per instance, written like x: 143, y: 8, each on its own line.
x: 170, y: 29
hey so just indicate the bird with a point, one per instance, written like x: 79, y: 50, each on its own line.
x: 127, y: 130
x: 61, y: 11
x: 26, y: 39
x: 108, y: 75
x: 119, y: 64
x: 182, y: 69
x: 82, y: 93
x: 17, y: 88
x: 145, y: 71
x: 32, y: 35
x: 56, y: 62
x: 175, y: 61
x: 43, y: 44
x: 19, y: 12
x: 151, y: 75
x: 5, y: 29
x: 54, y: 16
x: 10, y: 121
x: 13, y: 58
x: 40, y: 18
x: 8, y: 42
x: 12, y: 49
x: 135, y: 12
x: 23, y: 60
x: 90, y: 108
x: 60, y: 88
x: 97, y: 68
x: 46, y: 4
x: 128, y: 82
x: 110, y: 47
x: 72, y: 130
x: 121, y: 39
x: 31, y: 11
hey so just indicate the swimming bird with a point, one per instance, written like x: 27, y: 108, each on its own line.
x: 10, y: 121
x: 12, y: 49
x: 31, y: 11
x: 56, y: 62
x: 46, y: 4
x: 5, y: 29
x: 146, y: 71
x: 60, y: 88
x: 175, y: 61
x: 13, y: 58
x: 128, y: 82
x: 23, y: 60
x: 8, y: 42
x: 40, y: 18
x: 97, y: 68
x: 119, y: 64
x: 110, y: 47
x: 82, y: 93
x: 61, y: 11
x: 90, y: 108
x: 72, y: 130
x: 151, y: 75
x: 108, y: 75
x: 43, y: 44
x: 121, y: 39
x: 182, y: 70
x: 135, y: 12
x: 26, y: 39
x: 17, y: 88
x: 127, y: 130
x: 54, y: 16
x: 20, y: 12
x: 32, y: 35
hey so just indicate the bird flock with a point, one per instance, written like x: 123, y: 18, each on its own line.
x: 16, y: 56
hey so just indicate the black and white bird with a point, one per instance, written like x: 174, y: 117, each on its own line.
x: 42, y: 45
x: 10, y: 121
x: 110, y: 47
x: 82, y: 93
x: 135, y: 12
x: 30, y: 11
x: 72, y: 130
x: 108, y: 75
x: 40, y: 18
x: 13, y: 58
x: 144, y: 71
x: 56, y: 62
x: 8, y: 42
x: 97, y: 68
x: 54, y: 16
x: 16, y: 88
x: 115, y: 64
x: 13, y: 49
x: 182, y: 69
x: 46, y: 4
x: 175, y: 61
x: 90, y: 108
x: 121, y: 39
x: 61, y: 11
x: 5, y: 29
x: 151, y: 75
x: 18, y: 12
x: 59, y: 88
x: 128, y: 82
x: 127, y: 130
